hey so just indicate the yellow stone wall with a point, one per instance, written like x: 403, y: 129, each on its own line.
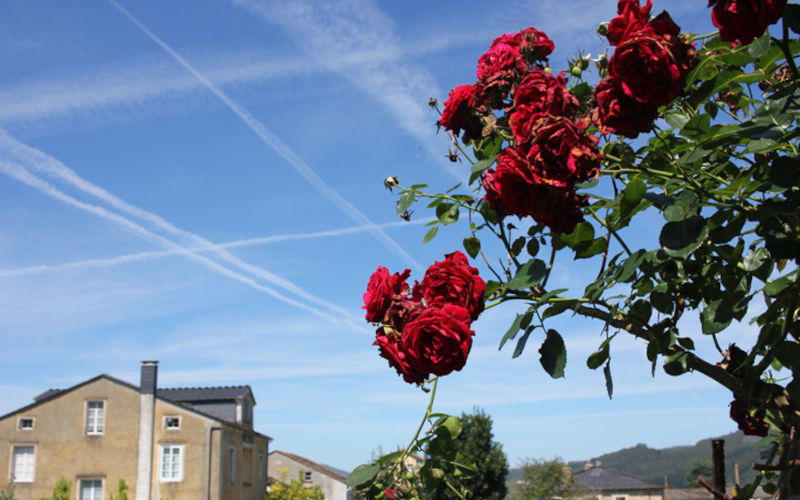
x: 62, y: 448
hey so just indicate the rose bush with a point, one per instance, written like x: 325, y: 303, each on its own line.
x: 718, y: 162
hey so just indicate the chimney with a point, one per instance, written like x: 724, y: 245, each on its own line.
x: 147, y: 414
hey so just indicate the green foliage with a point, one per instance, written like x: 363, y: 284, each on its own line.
x: 61, y: 491
x: 544, y: 479
x: 7, y: 493
x: 722, y: 174
x: 295, y: 489
x: 122, y: 491
x: 475, y: 442
x: 697, y: 469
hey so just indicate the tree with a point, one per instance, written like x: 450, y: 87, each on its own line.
x: 295, y: 489
x: 556, y: 176
x: 60, y: 490
x: 544, y: 479
x: 488, y: 482
x: 698, y: 468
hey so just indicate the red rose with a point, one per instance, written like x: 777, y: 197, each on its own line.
x: 632, y: 18
x: 534, y: 44
x: 381, y: 290
x: 438, y: 341
x: 390, y: 348
x: 401, y: 311
x: 509, y: 187
x: 512, y: 190
x: 646, y: 69
x: 453, y: 281
x: 616, y: 113
x: 389, y: 494
x: 744, y: 20
x: 563, y: 153
x: 750, y: 425
x: 538, y: 94
x: 501, y: 61
x: 457, y: 107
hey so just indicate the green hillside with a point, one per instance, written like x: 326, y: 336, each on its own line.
x: 652, y: 465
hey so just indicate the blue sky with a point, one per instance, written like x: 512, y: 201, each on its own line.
x: 201, y: 183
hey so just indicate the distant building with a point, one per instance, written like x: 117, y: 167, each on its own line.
x: 287, y: 466
x: 599, y: 483
x: 180, y: 444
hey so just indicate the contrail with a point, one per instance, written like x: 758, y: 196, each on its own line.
x: 42, y: 162
x: 23, y: 175
x: 279, y: 147
x: 157, y: 254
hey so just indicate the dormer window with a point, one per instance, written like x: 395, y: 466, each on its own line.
x: 25, y: 423
x: 172, y: 423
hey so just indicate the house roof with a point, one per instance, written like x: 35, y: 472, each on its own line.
x: 188, y: 394
x: 601, y: 478
x: 54, y: 393
x: 324, y: 469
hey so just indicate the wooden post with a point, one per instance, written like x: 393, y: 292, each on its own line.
x: 718, y: 459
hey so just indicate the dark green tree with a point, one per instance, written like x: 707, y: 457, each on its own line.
x: 475, y: 442
x: 698, y: 467
x: 544, y: 479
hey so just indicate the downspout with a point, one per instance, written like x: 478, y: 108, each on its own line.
x: 210, y: 458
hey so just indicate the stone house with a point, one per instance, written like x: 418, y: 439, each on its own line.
x: 194, y: 443
x: 287, y: 466
x: 600, y: 483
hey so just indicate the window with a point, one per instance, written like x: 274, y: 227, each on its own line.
x: 231, y: 465
x: 171, y: 462
x: 94, y: 417
x: 25, y: 423
x: 307, y: 476
x: 172, y: 423
x: 24, y: 458
x: 247, y: 465
x: 91, y: 489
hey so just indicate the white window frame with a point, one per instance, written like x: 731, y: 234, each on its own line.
x: 21, y: 418
x: 13, y: 464
x: 176, y: 417
x: 84, y: 481
x: 170, y: 477
x: 232, y: 465
x: 95, y: 423
x: 306, y: 476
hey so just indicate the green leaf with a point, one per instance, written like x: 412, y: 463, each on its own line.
x: 517, y: 246
x: 609, y: 381
x: 775, y: 287
x: 405, y: 201
x: 679, y: 239
x: 431, y: 234
x: 676, y: 120
x: 791, y: 16
x: 662, y: 301
x: 674, y: 213
x: 529, y: 274
x: 641, y: 311
x: 754, y: 260
x: 758, y: 48
x: 631, y: 197
x: 363, y: 474
x: 532, y: 247
x: 761, y: 146
x: 557, y: 308
x: 686, y: 343
x: 512, y: 330
x: 521, y: 343
x: 591, y: 248
x: 447, y: 213
x: 553, y: 354
x: 389, y: 457
x: 676, y: 364
x: 788, y: 353
x: 480, y: 166
x: 597, y: 358
x: 716, y: 316
x: 453, y: 425
x: 583, y: 232
x: 491, y: 287
x: 473, y: 246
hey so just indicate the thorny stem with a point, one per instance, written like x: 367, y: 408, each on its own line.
x: 707, y: 35
x: 428, y: 412
x: 549, y: 266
